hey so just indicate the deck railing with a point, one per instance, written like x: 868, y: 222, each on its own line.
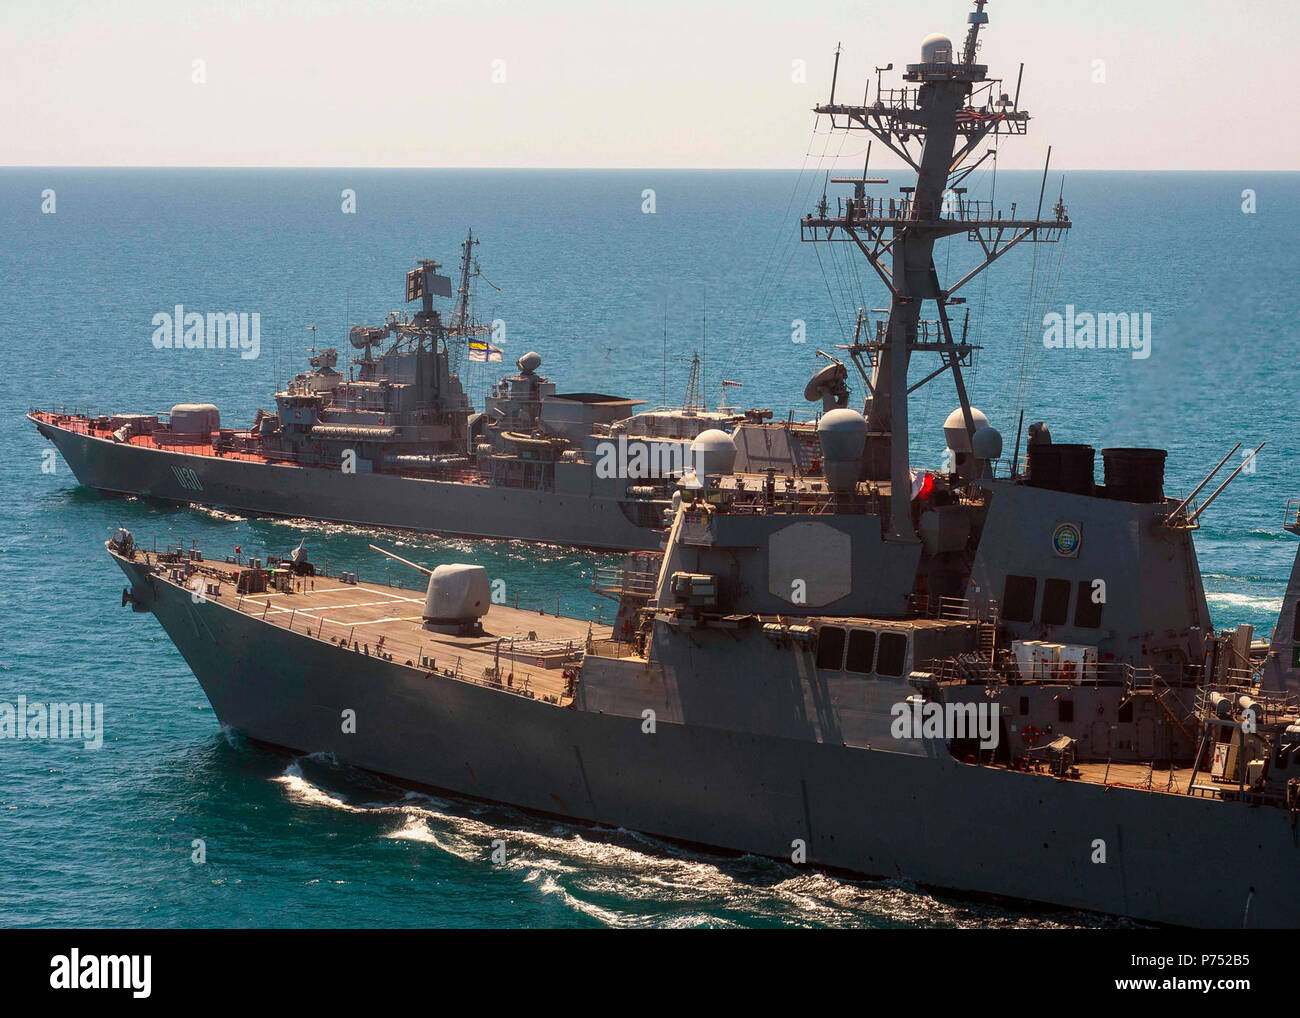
x: 510, y: 676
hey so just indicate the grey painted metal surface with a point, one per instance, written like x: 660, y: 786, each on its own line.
x: 889, y: 811
x: 751, y: 693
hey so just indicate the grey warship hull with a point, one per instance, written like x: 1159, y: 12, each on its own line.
x: 573, y: 515
x: 907, y: 811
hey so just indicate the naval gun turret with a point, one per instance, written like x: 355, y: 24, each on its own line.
x: 457, y: 598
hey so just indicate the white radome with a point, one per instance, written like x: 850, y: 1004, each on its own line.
x: 936, y: 49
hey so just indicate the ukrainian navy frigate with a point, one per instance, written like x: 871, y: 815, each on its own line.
x: 999, y: 678
x: 397, y: 443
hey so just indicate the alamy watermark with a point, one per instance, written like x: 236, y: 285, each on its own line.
x: 53, y: 721
x: 642, y: 459
x: 917, y: 719
x: 75, y: 971
x: 1106, y: 330
x: 219, y: 330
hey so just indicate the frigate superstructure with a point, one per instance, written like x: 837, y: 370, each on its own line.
x: 991, y: 679
x: 396, y: 442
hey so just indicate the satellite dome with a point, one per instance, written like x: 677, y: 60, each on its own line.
x: 936, y: 49
x: 713, y: 452
x: 529, y: 362
x: 843, y: 435
x: 987, y: 444
x: 954, y: 429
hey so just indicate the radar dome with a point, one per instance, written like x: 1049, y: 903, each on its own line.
x: 529, y: 362
x: 954, y: 429
x: 843, y: 435
x: 987, y: 444
x: 713, y: 452
x: 936, y: 49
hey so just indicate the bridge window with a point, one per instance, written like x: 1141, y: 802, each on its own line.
x: 1087, y: 615
x: 830, y: 648
x: 893, y: 654
x: 862, y: 651
x: 1018, y: 598
x: 1056, y: 603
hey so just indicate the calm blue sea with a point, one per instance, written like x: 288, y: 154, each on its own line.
x: 601, y: 289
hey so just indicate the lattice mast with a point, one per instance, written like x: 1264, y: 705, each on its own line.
x: 464, y: 292
x: 952, y: 109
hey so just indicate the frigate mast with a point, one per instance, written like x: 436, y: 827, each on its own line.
x: 953, y: 108
x: 468, y: 269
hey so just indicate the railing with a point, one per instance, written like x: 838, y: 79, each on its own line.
x: 1270, y: 708
x: 230, y: 444
x: 955, y: 609
x: 1291, y: 515
x: 957, y: 210
x: 897, y: 98
x: 429, y: 656
x: 611, y: 648
x: 619, y: 581
x: 754, y: 502
x: 973, y: 667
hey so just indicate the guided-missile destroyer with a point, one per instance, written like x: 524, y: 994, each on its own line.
x: 995, y: 678
x: 396, y: 442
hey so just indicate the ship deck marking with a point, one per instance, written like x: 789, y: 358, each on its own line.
x: 525, y: 643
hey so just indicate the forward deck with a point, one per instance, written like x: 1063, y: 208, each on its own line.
x: 223, y: 444
x: 521, y: 651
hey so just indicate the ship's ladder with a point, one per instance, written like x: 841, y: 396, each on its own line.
x: 1149, y: 682
x: 988, y: 633
x: 988, y: 640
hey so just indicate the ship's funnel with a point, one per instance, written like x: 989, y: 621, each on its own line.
x: 843, y: 435
x: 458, y: 596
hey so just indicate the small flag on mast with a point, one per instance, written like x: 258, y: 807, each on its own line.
x: 966, y: 115
x: 484, y: 352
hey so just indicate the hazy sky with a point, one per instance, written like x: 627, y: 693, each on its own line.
x: 1188, y: 84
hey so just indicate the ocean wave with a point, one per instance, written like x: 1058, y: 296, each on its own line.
x: 1254, y: 602
x: 216, y: 514
x: 626, y: 879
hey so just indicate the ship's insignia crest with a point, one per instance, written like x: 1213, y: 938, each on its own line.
x: 1066, y: 539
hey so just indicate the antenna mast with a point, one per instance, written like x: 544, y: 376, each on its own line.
x: 951, y: 108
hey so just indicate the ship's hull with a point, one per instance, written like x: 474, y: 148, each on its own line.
x: 1167, y: 858
x: 579, y: 518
